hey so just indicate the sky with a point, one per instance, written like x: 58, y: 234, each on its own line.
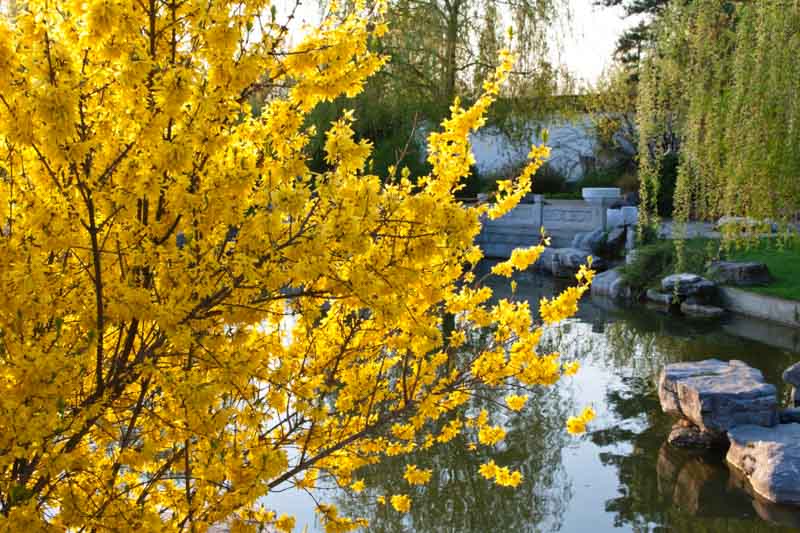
x: 587, y: 47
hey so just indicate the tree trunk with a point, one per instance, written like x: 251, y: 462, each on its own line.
x: 450, y: 57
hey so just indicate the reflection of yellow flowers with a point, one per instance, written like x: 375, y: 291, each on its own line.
x: 415, y: 476
x: 381, y: 500
x: 577, y: 424
x: 401, y: 503
x: 501, y: 474
x: 516, y: 402
x: 572, y: 368
x: 491, y: 435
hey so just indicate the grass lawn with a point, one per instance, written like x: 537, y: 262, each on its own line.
x: 784, y: 265
x: 659, y: 259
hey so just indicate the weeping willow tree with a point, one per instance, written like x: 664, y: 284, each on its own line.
x: 720, y: 89
x: 445, y: 49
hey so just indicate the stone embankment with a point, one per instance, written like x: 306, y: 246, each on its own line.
x: 729, y: 404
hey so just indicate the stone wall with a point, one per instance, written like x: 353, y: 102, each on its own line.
x: 521, y: 227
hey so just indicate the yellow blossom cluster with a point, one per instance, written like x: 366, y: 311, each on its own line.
x: 401, y: 503
x: 516, y: 402
x: 577, y: 424
x: 521, y: 258
x: 416, y: 476
x: 500, y: 474
x: 565, y: 305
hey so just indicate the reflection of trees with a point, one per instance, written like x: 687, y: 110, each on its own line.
x: 676, y: 490
x: 662, y: 488
x: 458, y: 499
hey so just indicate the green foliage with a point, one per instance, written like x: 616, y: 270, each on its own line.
x: 395, y: 137
x: 609, y: 176
x: 784, y: 267
x: 668, y: 178
x: 548, y: 180
x: 634, y: 41
x: 717, y: 79
x: 661, y: 258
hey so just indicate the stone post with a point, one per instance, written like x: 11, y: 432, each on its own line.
x: 538, y: 210
x: 602, y: 198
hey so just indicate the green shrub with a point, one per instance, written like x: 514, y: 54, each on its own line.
x: 650, y: 264
x: 668, y: 177
x: 660, y: 259
x: 548, y: 180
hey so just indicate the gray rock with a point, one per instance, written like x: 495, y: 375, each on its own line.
x: 686, y: 284
x: 592, y: 241
x: 565, y: 262
x: 611, y: 285
x: 789, y: 416
x: 545, y: 261
x: 691, y: 436
x: 630, y: 257
x: 746, y: 224
x: 702, y: 311
x: 659, y: 297
x: 770, y: 460
x: 716, y: 396
x: 615, y: 240
x: 792, y: 375
x: 739, y: 273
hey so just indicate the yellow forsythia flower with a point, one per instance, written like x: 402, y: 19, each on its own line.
x: 516, y: 402
x: 415, y: 476
x: 401, y: 503
x: 577, y: 424
x: 285, y: 523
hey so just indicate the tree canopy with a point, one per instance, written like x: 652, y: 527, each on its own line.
x: 717, y: 79
x: 190, y: 317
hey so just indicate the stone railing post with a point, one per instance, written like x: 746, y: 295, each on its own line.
x: 538, y: 210
x: 601, y: 198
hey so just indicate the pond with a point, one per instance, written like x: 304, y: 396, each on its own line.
x: 620, y: 475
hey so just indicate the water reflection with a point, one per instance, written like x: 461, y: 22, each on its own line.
x: 622, y: 475
x: 457, y: 499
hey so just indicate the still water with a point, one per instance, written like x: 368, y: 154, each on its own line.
x: 620, y: 475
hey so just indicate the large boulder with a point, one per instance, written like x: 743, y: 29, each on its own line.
x: 792, y: 375
x: 611, y: 285
x: 686, y: 284
x: 592, y: 241
x: 615, y: 239
x: 769, y: 458
x: 684, y: 434
x: 739, y: 272
x: 659, y: 297
x: 565, y: 262
x: 717, y: 396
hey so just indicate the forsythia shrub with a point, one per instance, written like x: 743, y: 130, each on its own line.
x: 190, y: 318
